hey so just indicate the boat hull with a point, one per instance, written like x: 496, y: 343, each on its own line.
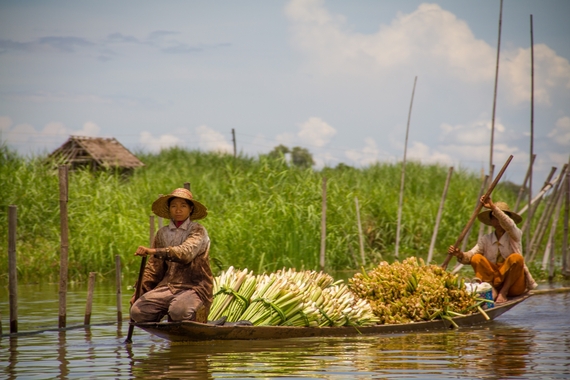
x: 194, y: 331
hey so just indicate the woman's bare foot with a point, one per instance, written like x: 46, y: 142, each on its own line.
x: 501, y: 299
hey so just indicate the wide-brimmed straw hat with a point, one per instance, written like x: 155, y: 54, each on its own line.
x: 160, y: 206
x: 485, y: 216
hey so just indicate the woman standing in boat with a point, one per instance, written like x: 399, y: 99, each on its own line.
x: 497, y: 258
x: 177, y: 279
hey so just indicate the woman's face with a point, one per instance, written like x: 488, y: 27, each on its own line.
x: 179, y: 209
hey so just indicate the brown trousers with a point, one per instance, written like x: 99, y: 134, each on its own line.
x: 496, y: 274
x: 182, y: 306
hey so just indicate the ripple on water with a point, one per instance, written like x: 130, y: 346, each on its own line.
x: 530, y: 341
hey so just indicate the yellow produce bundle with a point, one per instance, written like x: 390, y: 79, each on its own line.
x: 410, y: 291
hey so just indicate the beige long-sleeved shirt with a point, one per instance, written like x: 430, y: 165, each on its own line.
x: 186, y: 265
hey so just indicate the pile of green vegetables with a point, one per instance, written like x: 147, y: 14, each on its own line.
x: 287, y: 298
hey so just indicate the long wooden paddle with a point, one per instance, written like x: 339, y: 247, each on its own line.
x: 137, y: 295
x: 476, y: 212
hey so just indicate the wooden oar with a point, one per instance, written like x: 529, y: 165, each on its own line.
x: 137, y: 295
x: 476, y: 212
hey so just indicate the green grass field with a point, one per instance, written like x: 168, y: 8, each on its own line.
x: 263, y: 213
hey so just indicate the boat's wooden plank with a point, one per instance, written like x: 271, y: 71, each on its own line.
x: 193, y: 331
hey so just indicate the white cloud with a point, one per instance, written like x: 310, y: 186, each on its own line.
x: 25, y: 138
x: 156, y: 144
x: 212, y: 140
x: 476, y: 133
x: 421, y: 152
x: 315, y: 131
x: 368, y: 155
x: 89, y: 129
x: 427, y: 34
x: 430, y: 40
x: 5, y: 123
x: 287, y: 139
x: 561, y: 132
x: 550, y: 71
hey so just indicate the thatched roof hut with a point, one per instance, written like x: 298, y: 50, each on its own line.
x: 96, y: 153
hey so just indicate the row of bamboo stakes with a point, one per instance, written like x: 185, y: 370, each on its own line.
x: 63, y: 172
x: 559, y: 195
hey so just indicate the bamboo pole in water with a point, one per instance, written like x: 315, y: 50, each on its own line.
x: 63, y: 198
x: 402, y: 180
x: 234, y: 142
x: 119, y: 286
x: 89, y: 304
x: 530, y: 209
x: 545, y: 217
x: 360, y: 239
x: 323, y: 225
x: 12, y: 267
x: 548, y: 256
x: 481, y: 191
x: 481, y: 225
x: 495, y: 92
x: 439, y: 213
x: 458, y: 266
x: 159, y: 218
x: 534, y: 205
x: 523, y: 186
x: 565, y: 252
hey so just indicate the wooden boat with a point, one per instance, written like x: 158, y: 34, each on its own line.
x: 194, y: 331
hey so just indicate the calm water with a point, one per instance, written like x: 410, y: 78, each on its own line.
x: 530, y: 341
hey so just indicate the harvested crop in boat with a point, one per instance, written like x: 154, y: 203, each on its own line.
x: 288, y: 298
x: 410, y: 291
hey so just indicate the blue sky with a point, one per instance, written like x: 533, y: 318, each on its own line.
x: 335, y: 77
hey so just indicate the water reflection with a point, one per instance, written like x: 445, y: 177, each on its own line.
x: 62, y: 355
x: 176, y: 363
x: 530, y: 341
x: 10, y: 369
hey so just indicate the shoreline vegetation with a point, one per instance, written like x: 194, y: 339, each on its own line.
x: 264, y: 213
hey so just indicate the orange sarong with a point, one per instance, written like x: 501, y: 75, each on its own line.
x: 495, y: 274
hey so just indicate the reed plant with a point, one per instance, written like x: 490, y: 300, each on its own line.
x: 264, y: 214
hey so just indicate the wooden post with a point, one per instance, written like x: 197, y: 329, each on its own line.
x: 12, y: 267
x: 187, y: 185
x: 523, y: 186
x: 119, y: 291
x: 360, y: 239
x: 63, y: 198
x: 533, y: 206
x: 323, y: 225
x: 234, y: 141
x: 549, y: 251
x: 160, y: 219
x: 565, y: 251
x: 439, y: 213
x: 89, y: 305
x: 495, y: 91
x: 481, y: 225
x: 530, y: 209
x: 490, y: 228
x: 481, y: 190
x: 548, y: 183
x: 396, y: 251
x: 545, y: 217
